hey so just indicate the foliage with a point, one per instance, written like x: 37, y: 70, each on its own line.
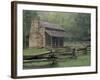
x: 76, y: 25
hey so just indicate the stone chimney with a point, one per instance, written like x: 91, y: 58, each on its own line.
x: 35, y: 37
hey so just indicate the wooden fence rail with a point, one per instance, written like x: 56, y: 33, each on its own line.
x: 56, y: 54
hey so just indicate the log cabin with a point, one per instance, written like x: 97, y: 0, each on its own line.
x: 44, y: 34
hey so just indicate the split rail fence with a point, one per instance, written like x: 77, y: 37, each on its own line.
x: 58, y: 53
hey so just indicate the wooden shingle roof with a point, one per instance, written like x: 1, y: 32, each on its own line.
x: 55, y: 33
x: 50, y: 25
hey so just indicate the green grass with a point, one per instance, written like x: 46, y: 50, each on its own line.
x: 34, y: 51
x: 82, y: 60
x: 77, y: 44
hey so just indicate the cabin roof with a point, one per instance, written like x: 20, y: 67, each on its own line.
x: 55, y: 33
x: 50, y: 25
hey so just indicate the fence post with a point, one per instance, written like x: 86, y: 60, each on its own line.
x: 85, y: 50
x: 53, y: 57
x: 74, y: 53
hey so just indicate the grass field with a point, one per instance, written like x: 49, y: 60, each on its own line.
x: 82, y: 60
x: 65, y: 61
x: 77, y: 44
x: 34, y: 51
x: 38, y: 51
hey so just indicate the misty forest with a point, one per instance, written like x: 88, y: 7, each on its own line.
x: 76, y: 25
